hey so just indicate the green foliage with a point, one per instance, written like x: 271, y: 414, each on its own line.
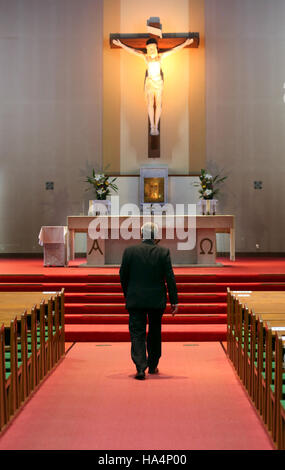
x: 101, y: 184
x: 208, y: 184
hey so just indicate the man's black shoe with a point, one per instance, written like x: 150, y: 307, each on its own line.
x: 153, y: 370
x: 140, y: 375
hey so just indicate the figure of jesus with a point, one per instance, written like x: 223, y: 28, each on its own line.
x: 153, y: 85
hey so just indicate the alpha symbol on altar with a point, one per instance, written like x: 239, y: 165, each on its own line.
x: 153, y: 48
x: 95, y: 247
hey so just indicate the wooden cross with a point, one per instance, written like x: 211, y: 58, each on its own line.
x: 166, y: 42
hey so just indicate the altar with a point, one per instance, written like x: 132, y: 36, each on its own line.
x: 108, y: 251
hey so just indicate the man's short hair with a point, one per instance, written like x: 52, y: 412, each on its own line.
x: 149, y: 231
x: 151, y: 41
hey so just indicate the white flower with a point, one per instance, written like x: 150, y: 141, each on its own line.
x: 208, y: 192
x: 208, y: 176
x: 98, y: 177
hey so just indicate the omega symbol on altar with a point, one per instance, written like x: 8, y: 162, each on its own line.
x: 202, y: 244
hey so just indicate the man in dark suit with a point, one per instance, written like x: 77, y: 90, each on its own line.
x: 145, y: 268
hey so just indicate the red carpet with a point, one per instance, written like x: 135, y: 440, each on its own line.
x: 242, y: 265
x: 94, y: 302
x: 91, y: 401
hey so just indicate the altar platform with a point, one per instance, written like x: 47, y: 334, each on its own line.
x: 257, y: 266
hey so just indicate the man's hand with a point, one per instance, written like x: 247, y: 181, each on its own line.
x: 188, y: 41
x: 174, y: 309
x: 117, y: 42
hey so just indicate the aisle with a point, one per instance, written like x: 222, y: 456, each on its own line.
x: 91, y: 401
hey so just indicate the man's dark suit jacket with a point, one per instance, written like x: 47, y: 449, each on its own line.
x: 145, y: 268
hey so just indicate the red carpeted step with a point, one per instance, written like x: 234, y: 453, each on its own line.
x: 110, y: 297
x: 41, y: 287
x: 81, y: 277
x: 181, y: 287
x: 120, y: 308
x: 104, y: 287
x: 202, y: 277
x: 21, y: 287
x: 21, y: 278
x: 124, y: 319
x: 93, y: 298
x: 222, y: 287
x: 115, y: 333
x: 206, y: 288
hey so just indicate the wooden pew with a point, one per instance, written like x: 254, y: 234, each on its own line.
x: 249, y: 348
x: 32, y: 346
x: 263, y: 375
x: 241, y: 336
x: 229, y: 322
x: 59, y: 335
x: 263, y: 390
x: 264, y: 296
x: 282, y: 426
x: 238, y: 326
x: 42, y: 316
x: 243, y: 326
x: 62, y: 323
x: 235, y: 334
x: 42, y: 355
x: 15, y: 303
x: 257, y: 369
x: 254, y: 346
x: 49, y: 318
x: 24, y: 353
x: 261, y: 302
x: 279, y: 387
x: 3, y: 399
x: 254, y: 321
x: 252, y: 352
x: 274, y: 327
x: 258, y: 363
x: 281, y: 423
x: 235, y: 326
x: 11, y: 367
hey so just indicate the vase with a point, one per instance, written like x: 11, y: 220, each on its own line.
x: 208, y: 206
x: 95, y: 207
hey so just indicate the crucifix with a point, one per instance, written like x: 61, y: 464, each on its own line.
x: 153, y: 47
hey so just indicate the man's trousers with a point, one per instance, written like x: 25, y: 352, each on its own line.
x: 141, y: 346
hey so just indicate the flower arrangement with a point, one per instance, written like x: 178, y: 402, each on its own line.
x: 101, y: 184
x: 208, y: 184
